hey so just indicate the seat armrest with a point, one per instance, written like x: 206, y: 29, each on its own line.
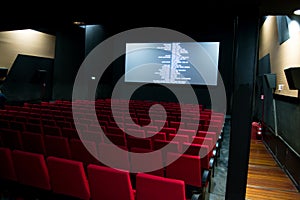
x: 196, y: 197
x: 205, y: 177
x: 211, y: 162
x: 214, y: 152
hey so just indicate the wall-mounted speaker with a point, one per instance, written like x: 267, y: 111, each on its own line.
x: 292, y: 75
x: 271, y: 80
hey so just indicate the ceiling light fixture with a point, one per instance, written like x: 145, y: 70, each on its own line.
x: 78, y: 23
x: 297, y: 12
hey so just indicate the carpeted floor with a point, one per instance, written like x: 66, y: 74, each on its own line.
x: 218, y: 186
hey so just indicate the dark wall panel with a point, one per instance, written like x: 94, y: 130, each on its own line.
x: 94, y: 34
x: 288, y: 118
x: 292, y: 165
x: 24, y: 81
x: 284, y: 155
x: 246, y: 45
x: 264, y: 110
x: 283, y: 29
x: 69, y: 55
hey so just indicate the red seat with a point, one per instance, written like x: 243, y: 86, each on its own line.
x: 51, y: 130
x: 150, y: 187
x: 156, y: 135
x: 173, y: 147
x: 86, y: 153
x: 69, y: 133
x: 91, y: 136
x: 63, y: 124
x: 193, y: 125
x: 200, y: 150
x: 109, y: 156
x: 34, y: 128
x: 188, y: 132
x: 33, y: 142
x: 208, y: 134
x: 206, y: 141
x: 168, y: 131
x: 15, y: 125
x: 31, y: 169
x: 57, y: 146
x: 179, y: 138
x: 46, y: 120
x: 187, y: 168
x: 161, y: 123
x: 4, y: 123
x: 142, y: 162
x: 212, y: 128
x: 175, y: 124
x: 118, y: 140
x: 68, y: 177
x: 7, y: 169
x: 11, y: 138
x: 107, y: 183
x: 135, y: 133
x: 133, y: 142
x: 115, y: 131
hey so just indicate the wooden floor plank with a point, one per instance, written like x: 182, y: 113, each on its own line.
x: 266, y: 180
x: 268, y: 194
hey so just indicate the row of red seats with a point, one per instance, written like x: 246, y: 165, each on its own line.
x: 214, y: 124
x: 143, y: 105
x: 138, y: 107
x: 110, y: 128
x: 71, y: 178
x: 73, y: 148
x: 139, y: 118
x: 23, y: 123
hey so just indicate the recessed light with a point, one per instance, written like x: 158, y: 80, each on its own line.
x: 297, y: 12
x: 78, y: 23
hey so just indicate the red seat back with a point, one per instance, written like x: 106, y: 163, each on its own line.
x: 107, y: 183
x: 84, y: 152
x: 33, y: 142
x: 149, y: 187
x: 57, y: 146
x: 7, y: 169
x: 68, y: 177
x: 186, y: 168
x: 31, y: 169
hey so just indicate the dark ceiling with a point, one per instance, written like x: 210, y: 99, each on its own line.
x: 144, y: 13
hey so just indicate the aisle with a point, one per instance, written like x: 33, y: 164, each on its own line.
x: 219, y: 180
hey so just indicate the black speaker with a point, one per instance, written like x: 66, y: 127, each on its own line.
x: 292, y: 75
x: 271, y: 80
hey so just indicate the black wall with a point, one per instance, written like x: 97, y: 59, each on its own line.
x: 69, y: 55
x: 246, y: 51
x: 215, y: 31
x: 288, y: 118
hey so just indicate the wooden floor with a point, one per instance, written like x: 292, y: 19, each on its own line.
x: 266, y: 180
